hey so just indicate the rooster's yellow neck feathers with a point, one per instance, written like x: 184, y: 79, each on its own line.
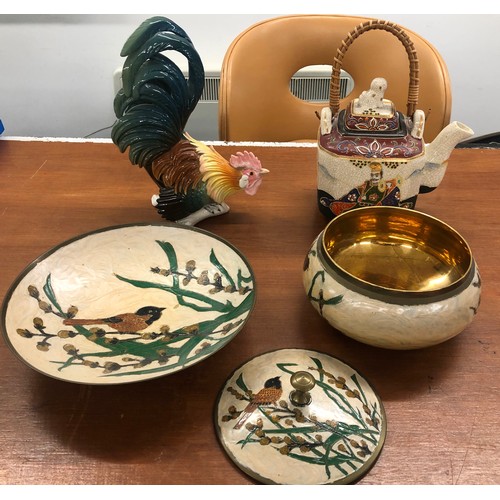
x: 221, y: 178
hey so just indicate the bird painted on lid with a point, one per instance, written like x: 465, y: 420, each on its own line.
x: 269, y: 394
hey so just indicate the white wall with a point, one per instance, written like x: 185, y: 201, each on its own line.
x: 56, y: 77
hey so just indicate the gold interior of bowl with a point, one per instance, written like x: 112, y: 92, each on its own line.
x: 397, y: 249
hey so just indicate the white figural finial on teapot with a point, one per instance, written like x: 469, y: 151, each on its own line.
x: 372, y: 101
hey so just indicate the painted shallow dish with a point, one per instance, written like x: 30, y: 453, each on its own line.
x: 128, y: 303
x: 334, y: 437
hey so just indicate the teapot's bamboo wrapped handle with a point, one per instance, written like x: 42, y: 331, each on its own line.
x: 346, y: 43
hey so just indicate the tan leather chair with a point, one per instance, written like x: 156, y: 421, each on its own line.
x: 255, y: 102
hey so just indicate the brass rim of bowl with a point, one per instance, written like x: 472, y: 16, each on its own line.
x: 396, y: 295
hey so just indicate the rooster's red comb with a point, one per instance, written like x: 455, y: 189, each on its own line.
x: 245, y: 160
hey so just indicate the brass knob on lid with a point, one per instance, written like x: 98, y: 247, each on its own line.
x: 303, y: 382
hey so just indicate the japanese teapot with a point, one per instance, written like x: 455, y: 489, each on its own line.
x: 371, y: 154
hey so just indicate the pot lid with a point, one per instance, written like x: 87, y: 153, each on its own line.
x: 296, y: 416
x: 351, y: 123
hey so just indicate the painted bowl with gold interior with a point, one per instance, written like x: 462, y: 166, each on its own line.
x: 392, y: 277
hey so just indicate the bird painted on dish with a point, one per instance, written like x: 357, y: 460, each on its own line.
x: 123, y: 323
x: 269, y: 394
x: 152, y: 110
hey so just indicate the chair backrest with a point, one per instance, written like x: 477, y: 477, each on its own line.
x: 255, y: 101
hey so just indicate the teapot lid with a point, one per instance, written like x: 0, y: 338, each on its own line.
x: 371, y: 113
x: 296, y: 416
x: 371, y: 127
x: 353, y: 123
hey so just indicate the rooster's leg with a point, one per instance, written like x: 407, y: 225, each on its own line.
x: 210, y: 210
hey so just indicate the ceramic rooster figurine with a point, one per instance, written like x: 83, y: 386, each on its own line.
x: 152, y: 109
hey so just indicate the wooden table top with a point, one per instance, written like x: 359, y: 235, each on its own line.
x: 442, y: 403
